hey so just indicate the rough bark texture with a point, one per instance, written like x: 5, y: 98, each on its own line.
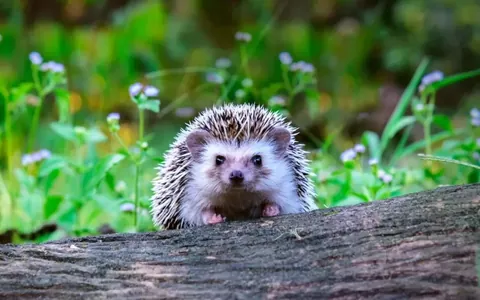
x: 420, y: 246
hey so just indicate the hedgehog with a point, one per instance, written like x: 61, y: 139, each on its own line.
x: 232, y: 162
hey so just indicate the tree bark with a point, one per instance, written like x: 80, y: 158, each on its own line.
x: 419, y: 246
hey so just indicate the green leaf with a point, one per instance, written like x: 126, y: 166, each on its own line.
x: 51, y: 180
x: 51, y: 205
x: 95, y: 136
x: 96, y: 174
x: 153, y: 105
x: 64, y: 130
x: 372, y: 141
x: 68, y: 219
x: 443, y: 122
x: 435, y: 138
x: 402, y: 123
x: 18, y: 93
x: 451, y: 80
x: 402, y: 104
x: 62, y: 98
x: 448, y: 160
x: 110, y: 180
x: 51, y: 164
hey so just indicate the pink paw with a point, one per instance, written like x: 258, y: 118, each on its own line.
x: 210, y: 217
x: 271, y: 210
x: 214, y: 219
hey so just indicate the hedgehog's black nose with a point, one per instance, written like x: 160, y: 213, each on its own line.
x: 236, y: 176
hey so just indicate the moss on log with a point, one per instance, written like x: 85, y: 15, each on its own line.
x: 419, y: 246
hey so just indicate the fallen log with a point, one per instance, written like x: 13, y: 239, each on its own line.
x: 419, y: 246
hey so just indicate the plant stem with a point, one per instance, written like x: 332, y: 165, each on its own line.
x: 8, y: 140
x: 36, y: 116
x: 141, y: 124
x: 135, y: 215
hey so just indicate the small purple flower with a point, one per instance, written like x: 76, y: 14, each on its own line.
x: 298, y: 66
x: 135, y: 89
x: 476, y: 156
x: 113, y: 117
x: 34, y: 157
x: 52, y: 67
x: 476, y: 122
x: 215, y: 78
x: 243, y: 37
x: 373, y: 161
x: 35, y: 58
x: 184, y: 112
x: 277, y: 100
x: 150, y: 91
x: 359, y: 148
x: 127, y: 207
x: 385, y: 177
x: 308, y: 68
x: 223, y: 63
x: 347, y: 155
x: 475, y: 113
x: 285, y: 58
x: 429, y: 79
x: 478, y: 143
x: 302, y: 66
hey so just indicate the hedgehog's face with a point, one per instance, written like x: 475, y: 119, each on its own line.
x: 225, y: 166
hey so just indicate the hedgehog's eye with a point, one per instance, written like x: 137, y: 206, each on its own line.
x: 257, y: 160
x: 219, y: 160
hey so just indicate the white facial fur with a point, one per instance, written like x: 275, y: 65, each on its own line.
x: 209, y: 184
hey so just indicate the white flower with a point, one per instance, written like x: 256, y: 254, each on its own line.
x: 240, y: 94
x: 150, y: 91
x: 223, y: 63
x: 135, y: 89
x: 347, y: 155
x: 247, y: 82
x: 387, y: 178
x: 127, y: 207
x: 373, y: 161
x: 35, y: 58
x: 243, y: 36
x: 419, y: 107
x: 285, y: 58
x: 120, y: 187
x: 359, y: 148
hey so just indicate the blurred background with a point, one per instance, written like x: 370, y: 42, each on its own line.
x: 364, y: 53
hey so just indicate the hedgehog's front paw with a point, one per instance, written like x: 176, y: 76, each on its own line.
x: 210, y: 217
x: 271, y: 210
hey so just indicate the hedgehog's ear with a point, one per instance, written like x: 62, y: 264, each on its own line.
x: 196, y: 141
x: 281, y: 139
